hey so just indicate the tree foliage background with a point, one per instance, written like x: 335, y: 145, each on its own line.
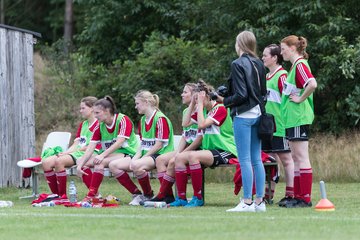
x: 122, y: 46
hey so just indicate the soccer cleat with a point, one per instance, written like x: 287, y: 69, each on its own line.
x: 243, y: 207
x: 261, y: 207
x: 137, y: 198
x: 145, y: 198
x: 286, y: 200
x: 302, y: 204
x: 195, y: 202
x: 178, y: 202
x: 298, y: 203
x: 167, y: 199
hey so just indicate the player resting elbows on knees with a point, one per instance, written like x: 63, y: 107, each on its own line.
x: 156, y: 136
x: 57, y: 179
x: 118, y: 143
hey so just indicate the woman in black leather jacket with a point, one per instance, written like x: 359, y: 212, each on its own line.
x: 247, y: 88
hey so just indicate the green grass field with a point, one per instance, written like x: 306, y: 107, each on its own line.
x: 22, y: 221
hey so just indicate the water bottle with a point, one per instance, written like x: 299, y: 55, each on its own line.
x: 72, y: 192
x: 44, y: 204
x: 150, y: 204
x: 6, y: 204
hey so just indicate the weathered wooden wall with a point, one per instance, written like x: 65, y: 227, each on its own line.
x: 17, y: 121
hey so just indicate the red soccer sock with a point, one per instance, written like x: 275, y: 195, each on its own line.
x: 306, y: 183
x: 51, y: 181
x: 61, y: 182
x: 181, y: 182
x: 166, y: 185
x: 96, y: 180
x: 144, y: 182
x: 160, y: 176
x: 289, y: 191
x: 297, y: 188
x: 87, y: 178
x: 124, y: 179
x: 196, y: 179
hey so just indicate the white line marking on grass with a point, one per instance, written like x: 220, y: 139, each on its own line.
x: 174, y: 216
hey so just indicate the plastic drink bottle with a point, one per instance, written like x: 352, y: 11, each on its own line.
x: 44, y: 204
x: 155, y: 204
x: 72, y: 192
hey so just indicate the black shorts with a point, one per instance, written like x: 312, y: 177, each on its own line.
x: 154, y: 156
x: 299, y: 133
x: 276, y: 145
x: 73, y: 158
x: 221, y: 157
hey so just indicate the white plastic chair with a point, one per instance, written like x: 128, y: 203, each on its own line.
x: 54, y: 139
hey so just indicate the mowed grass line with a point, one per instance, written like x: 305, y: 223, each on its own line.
x: 209, y: 222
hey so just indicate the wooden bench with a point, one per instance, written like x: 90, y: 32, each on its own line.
x: 177, y: 138
x: 267, y: 166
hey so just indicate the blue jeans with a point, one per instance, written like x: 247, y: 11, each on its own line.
x: 248, y: 146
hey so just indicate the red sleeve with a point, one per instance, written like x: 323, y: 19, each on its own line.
x: 281, y: 82
x: 193, y: 117
x: 162, y: 129
x: 125, y: 127
x: 79, y: 130
x: 218, y: 115
x: 96, y: 137
x: 303, y: 75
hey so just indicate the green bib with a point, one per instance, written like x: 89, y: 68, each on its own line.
x: 128, y: 147
x: 85, y: 134
x: 220, y: 137
x: 296, y: 114
x: 149, y: 137
x: 273, y: 104
x: 190, y: 132
x: 84, y: 140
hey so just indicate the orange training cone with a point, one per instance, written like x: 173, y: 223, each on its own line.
x: 324, y: 204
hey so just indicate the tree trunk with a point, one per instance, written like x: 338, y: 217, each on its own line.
x: 68, y: 26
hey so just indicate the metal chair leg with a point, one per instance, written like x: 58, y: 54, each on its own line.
x: 35, y: 186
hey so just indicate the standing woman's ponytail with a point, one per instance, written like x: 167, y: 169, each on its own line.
x: 299, y: 42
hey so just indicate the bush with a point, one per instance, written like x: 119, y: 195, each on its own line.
x: 165, y: 65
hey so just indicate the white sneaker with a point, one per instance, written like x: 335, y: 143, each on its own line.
x: 243, y: 207
x: 137, y: 198
x: 260, y: 207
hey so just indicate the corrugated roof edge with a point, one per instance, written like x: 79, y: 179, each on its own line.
x: 21, y: 30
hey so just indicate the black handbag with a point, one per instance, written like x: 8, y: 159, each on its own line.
x: 267, y: 125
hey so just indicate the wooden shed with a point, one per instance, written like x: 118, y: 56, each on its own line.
x: 17, y: 120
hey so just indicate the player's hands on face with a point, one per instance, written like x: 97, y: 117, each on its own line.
x: 201, y: 97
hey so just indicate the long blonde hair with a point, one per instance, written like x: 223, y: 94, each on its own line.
x: 246, y: 41
x: 147, y: 96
